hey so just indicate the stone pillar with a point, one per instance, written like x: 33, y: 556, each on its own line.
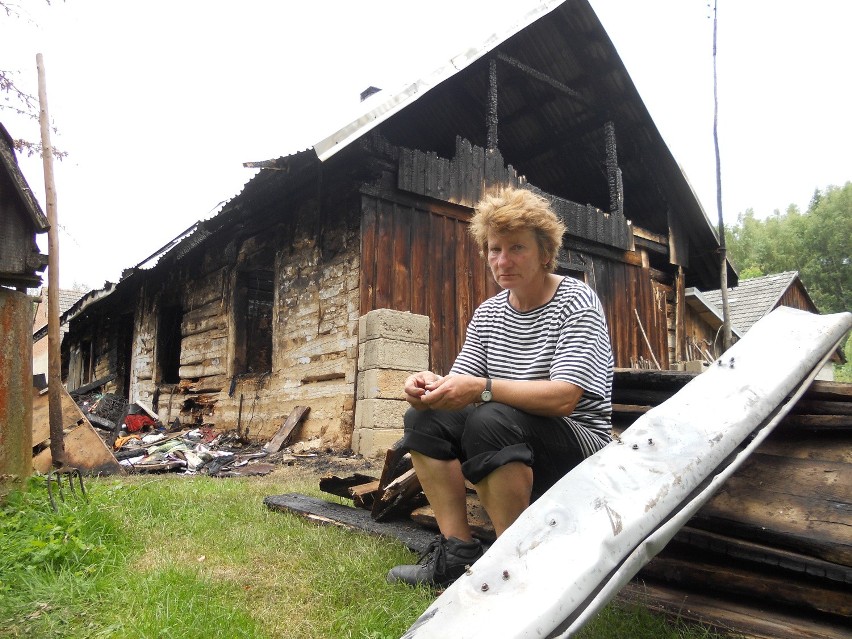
x: 16, y: 387
x: 391, y: 345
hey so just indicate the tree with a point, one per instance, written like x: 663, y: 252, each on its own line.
x: 18, y: 101
x: 817, y: 244
x: 827, y: 249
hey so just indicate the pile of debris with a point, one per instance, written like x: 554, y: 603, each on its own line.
x: 104, y: 434
x: 142, y: 444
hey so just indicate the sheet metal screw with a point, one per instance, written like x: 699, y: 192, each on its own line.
x: 484, y: 587
x: 635, y: 446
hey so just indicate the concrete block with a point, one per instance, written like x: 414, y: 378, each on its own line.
x: 381, y: 383
x: 695, y: 366
x: 396, y: 325
x: 380, y: 413
x: 372, y: 443
x: 387, y: 353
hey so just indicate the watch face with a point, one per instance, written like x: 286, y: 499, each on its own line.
x: 486, y: 396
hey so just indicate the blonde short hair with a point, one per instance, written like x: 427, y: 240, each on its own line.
x: 508, y: 210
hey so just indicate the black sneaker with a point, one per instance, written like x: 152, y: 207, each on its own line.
x: 444, y: 561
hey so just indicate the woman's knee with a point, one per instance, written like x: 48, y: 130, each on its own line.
x: 491, y: 427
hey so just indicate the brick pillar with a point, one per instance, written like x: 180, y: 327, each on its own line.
x: 391, y: 345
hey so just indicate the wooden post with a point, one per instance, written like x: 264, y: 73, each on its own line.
x: 491, y: 144
x: 54, y: 365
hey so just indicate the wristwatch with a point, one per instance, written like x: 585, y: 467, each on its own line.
x: 486, y: 394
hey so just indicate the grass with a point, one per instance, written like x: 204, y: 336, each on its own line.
x: 185, y: 557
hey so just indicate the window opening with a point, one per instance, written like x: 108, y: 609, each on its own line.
x: 255, y: 299
x: 168, y: 344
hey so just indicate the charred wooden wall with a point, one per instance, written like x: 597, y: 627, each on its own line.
x: 307, y: 237
x: 417, y: 256
x: 702, y: 341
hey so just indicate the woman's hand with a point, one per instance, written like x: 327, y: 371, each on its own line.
x: 451, y: 392
x: 417, y: 386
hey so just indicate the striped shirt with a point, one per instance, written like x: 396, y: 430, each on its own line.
x: 566, y: 339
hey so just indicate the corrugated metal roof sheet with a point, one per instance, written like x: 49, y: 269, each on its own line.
x: 398, y: 100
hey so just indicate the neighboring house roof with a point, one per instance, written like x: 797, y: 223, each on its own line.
x: 710, y: 312
x: 754, y: 298
x: 67, y: 299
x: 9, y: 161
x: 84, y: 300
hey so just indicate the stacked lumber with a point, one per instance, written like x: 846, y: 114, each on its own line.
x: 778, y: 535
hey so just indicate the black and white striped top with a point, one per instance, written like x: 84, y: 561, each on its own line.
x: 566, y: 339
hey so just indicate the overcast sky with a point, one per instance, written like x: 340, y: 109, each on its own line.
x: 159, y: 103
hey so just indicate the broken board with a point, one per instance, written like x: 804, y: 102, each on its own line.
x: 84, y: 449
x: 572, y: 550
x: 71, y: 414
x: 279, y: 440
x: 327, y: 513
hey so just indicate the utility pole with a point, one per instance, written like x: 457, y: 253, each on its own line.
x: 54, y: 365
x: 723, y: 252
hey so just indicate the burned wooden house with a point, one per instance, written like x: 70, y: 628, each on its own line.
x: 256, y: 310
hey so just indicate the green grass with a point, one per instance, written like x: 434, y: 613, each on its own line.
x: 185, y: 557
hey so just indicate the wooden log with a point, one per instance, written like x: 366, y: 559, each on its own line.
x: 208, y: 369
x: 642, y: 396
x: 364, y: 495
x: 211, y: 384
x: 279, y: 440
x: 738, y: 616
x: 822, y: 407
x: 821, y: 596
x: 480, y: 524
x: 397, y: 462
x: 399, y: 498
x: 630, y: 410
x: 340, y: 486
x: 196, y: 349
x: 826, y: 445
x: 325, y: 513
x: 817, y: 422
x: 800, y: 505
x: 200, y: 325
x: 82, y: 390
x: 833, y: 391
x: 759, y: 555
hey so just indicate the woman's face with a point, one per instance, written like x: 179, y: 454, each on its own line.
x: 515, y: 259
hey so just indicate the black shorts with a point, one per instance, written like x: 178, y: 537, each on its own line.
x: 487, y: 436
